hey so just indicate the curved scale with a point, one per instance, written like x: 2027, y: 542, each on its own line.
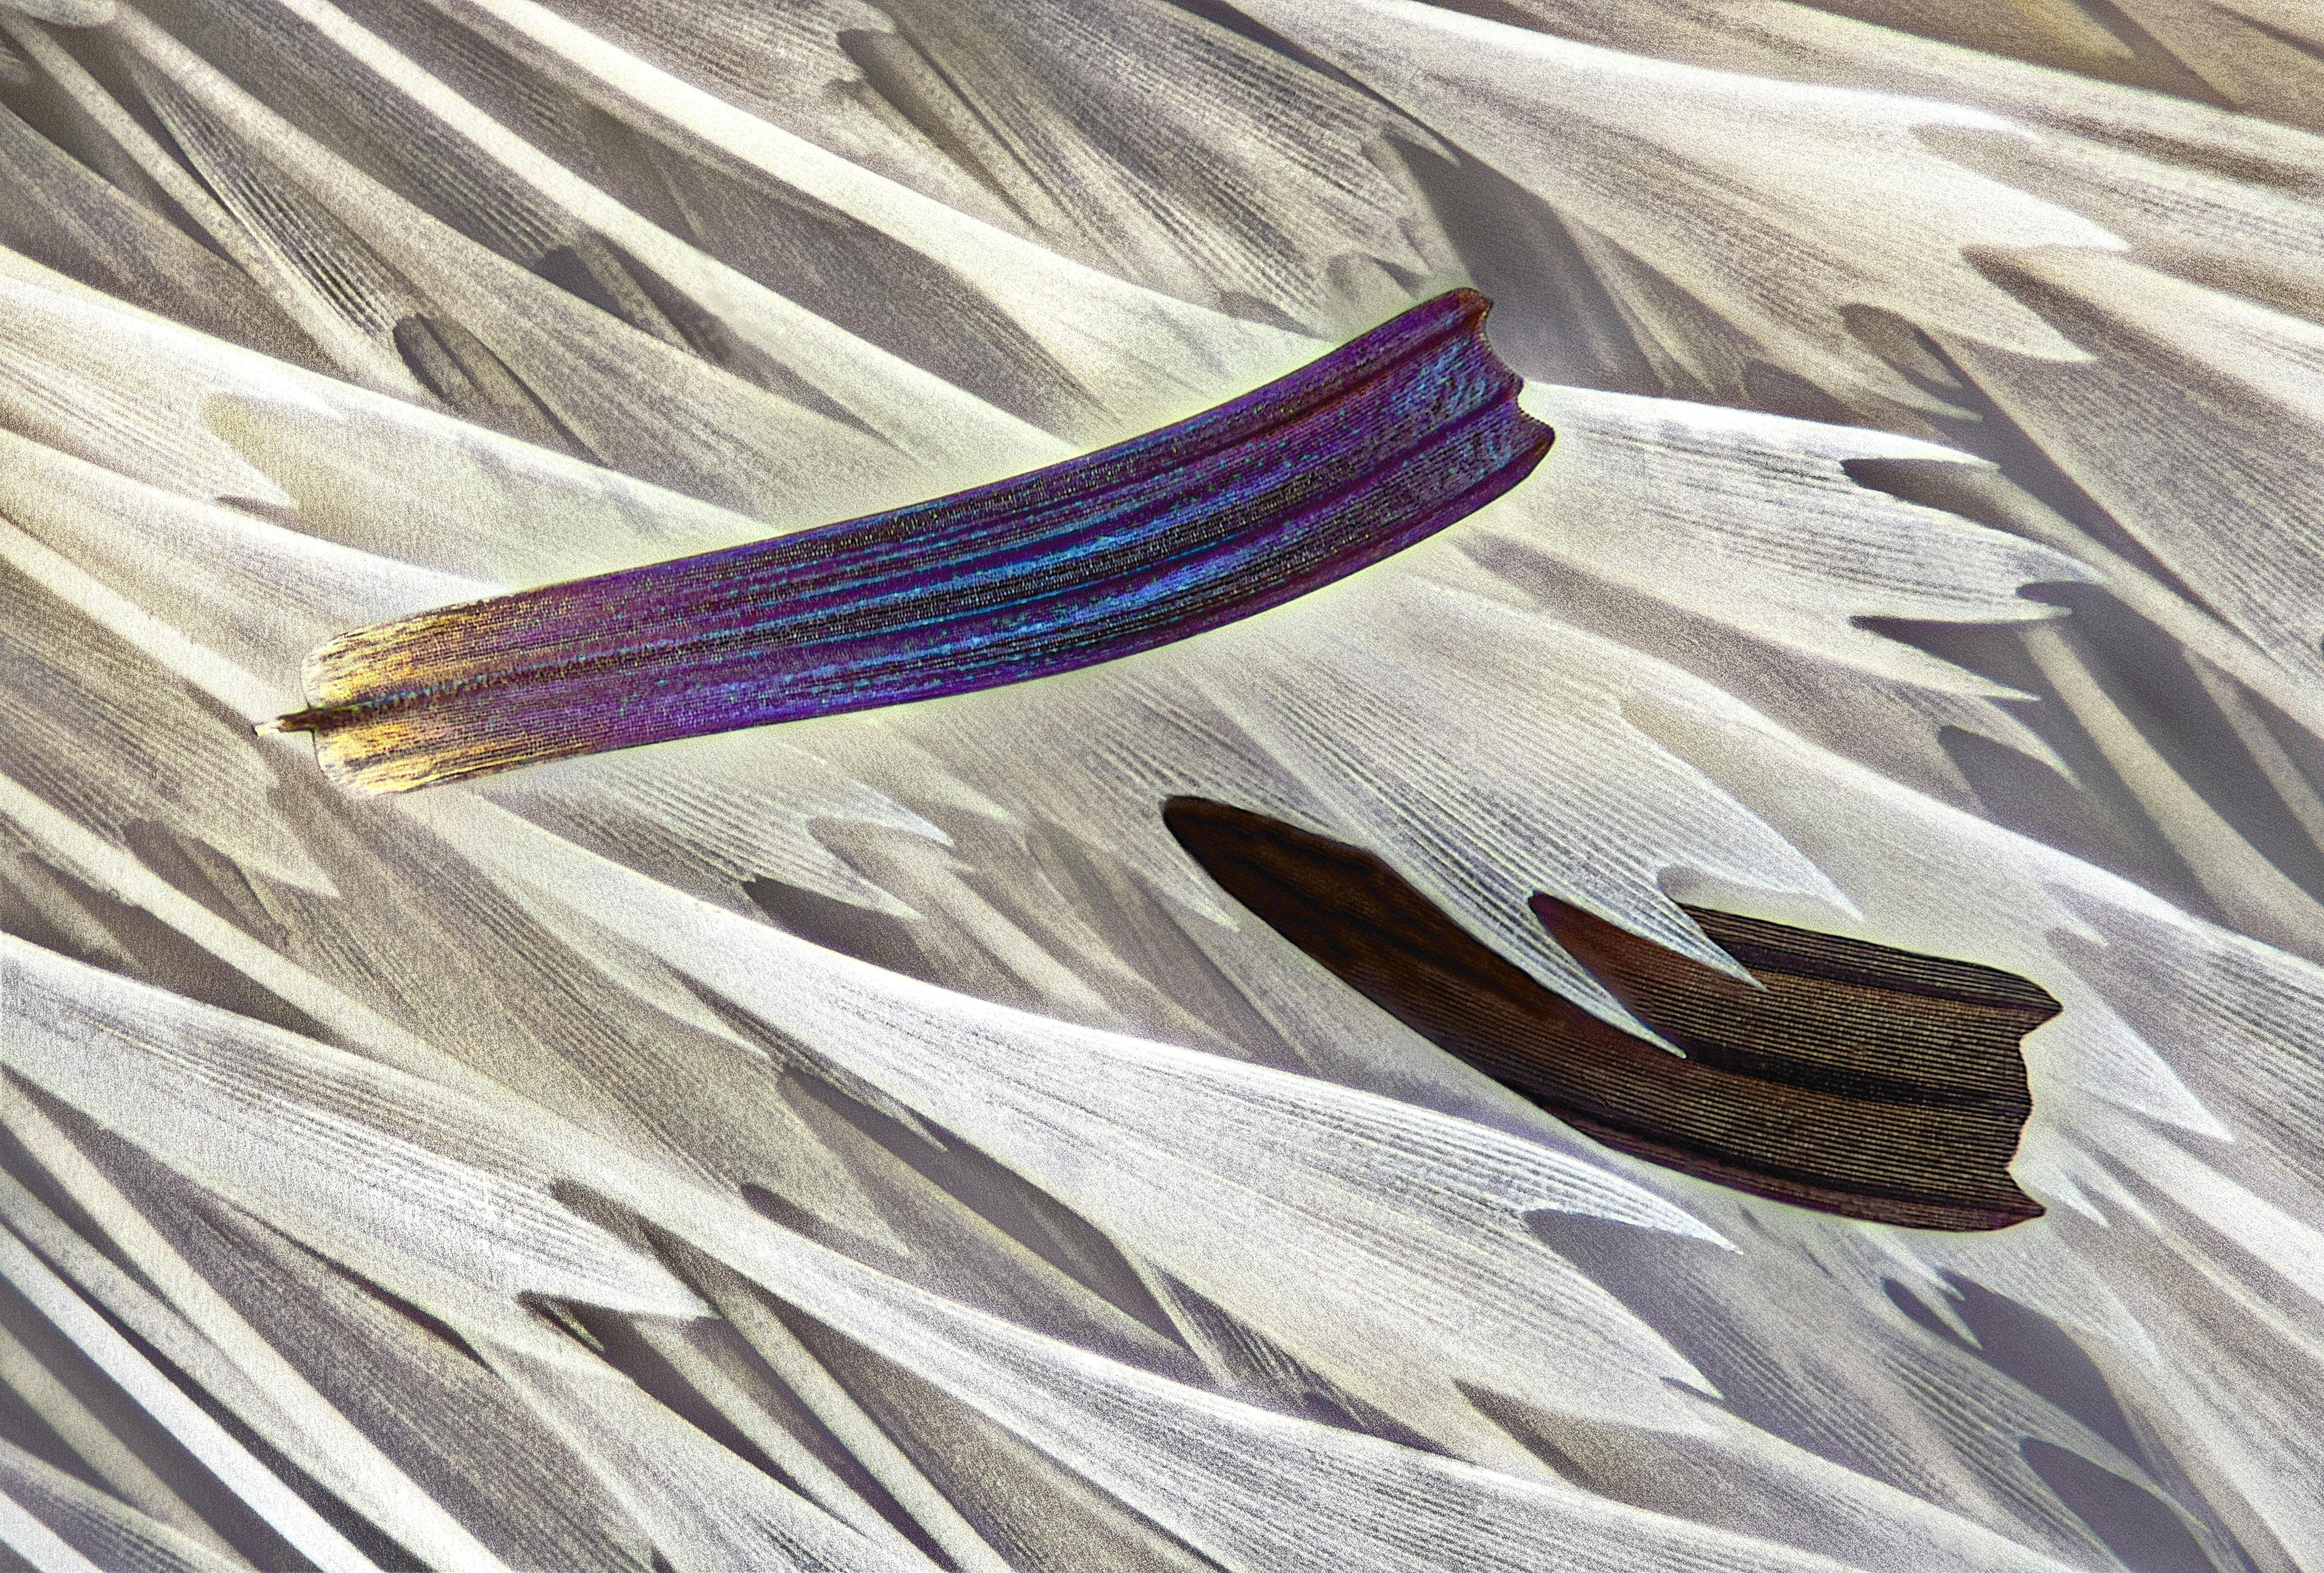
x: 1369, y: 449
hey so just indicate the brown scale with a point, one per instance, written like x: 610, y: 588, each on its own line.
x: 1858, y: 1080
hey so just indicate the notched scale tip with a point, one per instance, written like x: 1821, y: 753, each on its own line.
x: 1365, y: 452
x: 1842, y: 1076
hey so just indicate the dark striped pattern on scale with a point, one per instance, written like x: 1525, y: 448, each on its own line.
x: 1856, y: 1078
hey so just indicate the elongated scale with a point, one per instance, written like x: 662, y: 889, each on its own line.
x: 1371, y: 448
x: 1851, y: 1077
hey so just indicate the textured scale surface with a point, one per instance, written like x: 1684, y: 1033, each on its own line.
x: 872, y: 1142
x: 1374, y: 447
